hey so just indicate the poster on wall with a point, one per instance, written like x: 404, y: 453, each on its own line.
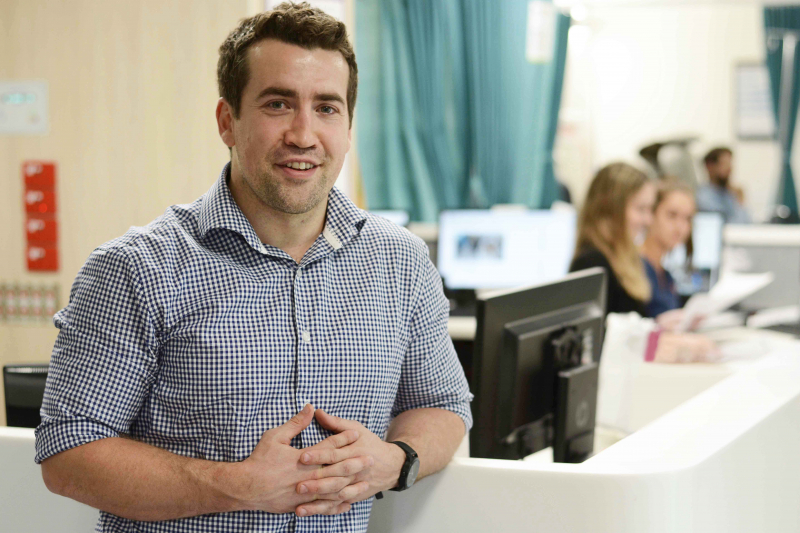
x: 541, y: 32
x: 23, y: 107
x: 755, y: 119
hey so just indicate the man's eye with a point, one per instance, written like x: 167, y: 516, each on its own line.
x: 276, y: 105
x: 327, y: 110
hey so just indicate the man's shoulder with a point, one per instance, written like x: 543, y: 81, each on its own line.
x: 709, y: 191
x: 166, y: 236
x: 392, y: 238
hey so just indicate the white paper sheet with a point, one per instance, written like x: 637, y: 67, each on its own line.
x: 733, y: 287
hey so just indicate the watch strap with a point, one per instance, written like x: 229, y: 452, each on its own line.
x: 411, y: 457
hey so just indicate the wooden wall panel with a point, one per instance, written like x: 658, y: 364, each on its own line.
x: 132, y: 96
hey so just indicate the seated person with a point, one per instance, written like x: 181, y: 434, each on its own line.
x: 615, y: 216
x: 719, y: 195
x: 671, y: 226
x: 617, y: 211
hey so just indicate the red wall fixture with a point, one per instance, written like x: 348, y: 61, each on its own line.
x: 41, y: 226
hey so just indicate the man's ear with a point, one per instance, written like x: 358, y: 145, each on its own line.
x: 225, y: 123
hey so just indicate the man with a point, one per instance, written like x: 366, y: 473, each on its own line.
x: 192, y: 350
x: 719, y: 196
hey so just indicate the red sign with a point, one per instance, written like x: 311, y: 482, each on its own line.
x: 41, y: 227
x: 39, y: 175
x: 41, y: 230
x: 40, y: 202
x: 42, y: 258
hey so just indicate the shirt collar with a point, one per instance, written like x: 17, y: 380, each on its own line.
x: 219, y: 210
x: 344, y: 220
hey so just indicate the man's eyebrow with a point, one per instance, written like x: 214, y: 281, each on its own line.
x: 291, y: 93
x: 277, y: 91
x: 329, y: 97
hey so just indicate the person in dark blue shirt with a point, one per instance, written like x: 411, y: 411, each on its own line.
x: 671, y: 226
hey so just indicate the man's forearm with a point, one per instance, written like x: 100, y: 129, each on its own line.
x: 435, y: 435
x: 141, y: 482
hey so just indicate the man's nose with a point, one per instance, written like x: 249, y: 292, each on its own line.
x: 301, y: 132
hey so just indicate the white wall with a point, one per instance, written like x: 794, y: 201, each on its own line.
x: 644, y: 72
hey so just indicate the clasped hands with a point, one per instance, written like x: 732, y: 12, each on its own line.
x: 349, y: 466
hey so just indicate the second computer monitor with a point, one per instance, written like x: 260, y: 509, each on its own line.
x: 702, y: 273
x: 486, y: 249
x: 707, y: 240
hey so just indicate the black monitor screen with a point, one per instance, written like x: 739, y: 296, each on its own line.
x: 536, y: 347
x: 24, y: 391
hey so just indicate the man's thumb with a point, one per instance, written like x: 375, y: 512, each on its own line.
x: 297, y: 423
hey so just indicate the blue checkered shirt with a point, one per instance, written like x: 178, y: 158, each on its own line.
x: 191, y: 335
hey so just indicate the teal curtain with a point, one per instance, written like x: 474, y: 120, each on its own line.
x: 778, y: 20
x: 450, y: 113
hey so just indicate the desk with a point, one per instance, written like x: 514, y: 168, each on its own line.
x: 725, y: 461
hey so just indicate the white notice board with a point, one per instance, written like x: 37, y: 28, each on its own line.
x: 755, y: 119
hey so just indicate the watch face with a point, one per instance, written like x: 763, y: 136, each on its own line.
x: 412, y: 473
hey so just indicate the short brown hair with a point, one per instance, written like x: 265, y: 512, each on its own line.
x: 713, y: 156
x: 298, y: 24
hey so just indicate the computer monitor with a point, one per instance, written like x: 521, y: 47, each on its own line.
x: 401, y: 218
x: 24, y: 391
x: 704, y: 270
x: 766, y: 248
x: 488, y: 249
x: 535, y: 368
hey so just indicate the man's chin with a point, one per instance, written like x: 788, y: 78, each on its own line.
x: 297, y: 206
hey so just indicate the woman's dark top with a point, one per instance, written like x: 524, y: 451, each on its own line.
x: 617, y: 300
x: 665, y: 296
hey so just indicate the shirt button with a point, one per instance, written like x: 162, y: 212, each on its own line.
x: 306, y: 337
x: 298, y: 274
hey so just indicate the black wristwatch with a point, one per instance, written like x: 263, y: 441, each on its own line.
x: 408, y: 474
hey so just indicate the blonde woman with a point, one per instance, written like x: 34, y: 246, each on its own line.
x: 614, y: 219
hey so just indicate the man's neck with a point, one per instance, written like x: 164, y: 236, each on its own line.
x: 294, y: 234
x: 653, y: 252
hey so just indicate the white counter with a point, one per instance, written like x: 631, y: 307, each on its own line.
x: 724, y: 461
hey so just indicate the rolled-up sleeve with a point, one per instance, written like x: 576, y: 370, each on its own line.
x: 432, y: 375
x: 103, y: 363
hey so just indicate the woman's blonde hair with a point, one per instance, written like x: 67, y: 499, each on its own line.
x: 602, y: 225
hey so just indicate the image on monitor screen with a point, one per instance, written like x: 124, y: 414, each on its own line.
x: 472, y: 246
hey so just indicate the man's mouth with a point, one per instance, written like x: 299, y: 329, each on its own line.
x: 295, y: 165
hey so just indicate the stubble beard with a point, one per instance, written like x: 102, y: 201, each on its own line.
x: 289, y: 199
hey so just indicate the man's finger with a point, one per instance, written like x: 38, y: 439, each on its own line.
x: 328, y: 456
x: 347, y: 467
x: 340, y: 440
x: 328, y: 507
x: 325, y: 486
x: 334, y: 423
x: 296, y: 424
x: 353, y: 492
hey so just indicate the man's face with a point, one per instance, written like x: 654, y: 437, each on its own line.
x: 720, y: 172
x: 293, y: 115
